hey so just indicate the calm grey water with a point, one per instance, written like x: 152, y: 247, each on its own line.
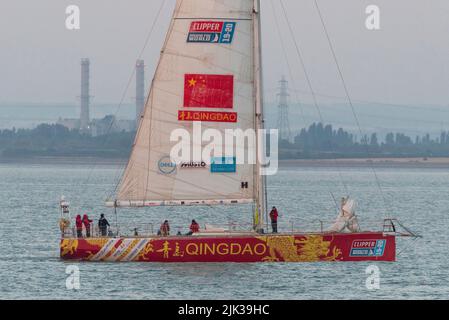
x: 30, y: 268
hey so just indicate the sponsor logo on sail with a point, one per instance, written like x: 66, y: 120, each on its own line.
x: 368, y: 248
x: 223, y: 165
x: 211, y: 32
x: 206, y: 116
x: 193, y: 165
x: 192, y: 143
x: 166, y: 166
x: 208, y: 91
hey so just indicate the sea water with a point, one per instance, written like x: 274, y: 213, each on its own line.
x: 30, y: 267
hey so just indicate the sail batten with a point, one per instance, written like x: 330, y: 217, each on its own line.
x: 205, y: 74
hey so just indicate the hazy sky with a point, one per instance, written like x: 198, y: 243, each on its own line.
x: 405, y: 62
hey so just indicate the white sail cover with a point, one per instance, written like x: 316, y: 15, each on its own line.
x: 206, y: 72
x: 346, y: 221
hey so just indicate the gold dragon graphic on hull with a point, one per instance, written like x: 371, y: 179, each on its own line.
x: 309, y: 249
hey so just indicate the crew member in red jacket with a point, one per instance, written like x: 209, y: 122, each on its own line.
x: 274, y: 219
x: 165, y: 229
x: 79, y: 226
x: 194, y: 227
x: 87, y: 222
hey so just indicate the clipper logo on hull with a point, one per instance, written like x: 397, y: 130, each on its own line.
x: 211, y: 32
x: 368, y: 248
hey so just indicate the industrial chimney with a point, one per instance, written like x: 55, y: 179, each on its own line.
x: 85, y: 95
x: 140, y: 89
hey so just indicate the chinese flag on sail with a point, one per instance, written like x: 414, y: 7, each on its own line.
x: 209, y: 91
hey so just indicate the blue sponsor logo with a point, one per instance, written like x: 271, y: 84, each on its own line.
x: 227, y: 35
x: 166, y: 166
x: 223, y: 165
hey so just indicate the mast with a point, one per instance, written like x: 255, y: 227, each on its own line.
x: 260, y: 189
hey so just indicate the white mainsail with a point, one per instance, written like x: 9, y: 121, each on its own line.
x: 209, y: 72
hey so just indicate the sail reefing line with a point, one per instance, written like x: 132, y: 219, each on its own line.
x: 208, y: 42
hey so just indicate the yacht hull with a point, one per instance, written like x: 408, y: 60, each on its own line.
x: 314, y: 247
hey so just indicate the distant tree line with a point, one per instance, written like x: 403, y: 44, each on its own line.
x: 52, y: 140
x: 318, y: 141
x: 323, y: 141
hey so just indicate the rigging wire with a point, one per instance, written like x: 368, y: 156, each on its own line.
x: 309, y: 84
x: 298, y: 102
x: 410, y: 245
x: 348, y: 96
x: 123, y: 97
x: 119, y: 175
x: 150, y: 105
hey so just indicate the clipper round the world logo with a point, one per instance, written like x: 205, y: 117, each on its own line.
x: 211, y: 32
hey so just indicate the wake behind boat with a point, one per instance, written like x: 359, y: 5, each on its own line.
x: 210, y: 73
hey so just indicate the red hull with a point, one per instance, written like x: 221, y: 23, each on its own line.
x: 245, y: 249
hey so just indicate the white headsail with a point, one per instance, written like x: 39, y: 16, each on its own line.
x: 208, y: 71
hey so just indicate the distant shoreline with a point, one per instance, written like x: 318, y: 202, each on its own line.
x: 295, y: 163
x: 64, y: 160
x: 370, y: 162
